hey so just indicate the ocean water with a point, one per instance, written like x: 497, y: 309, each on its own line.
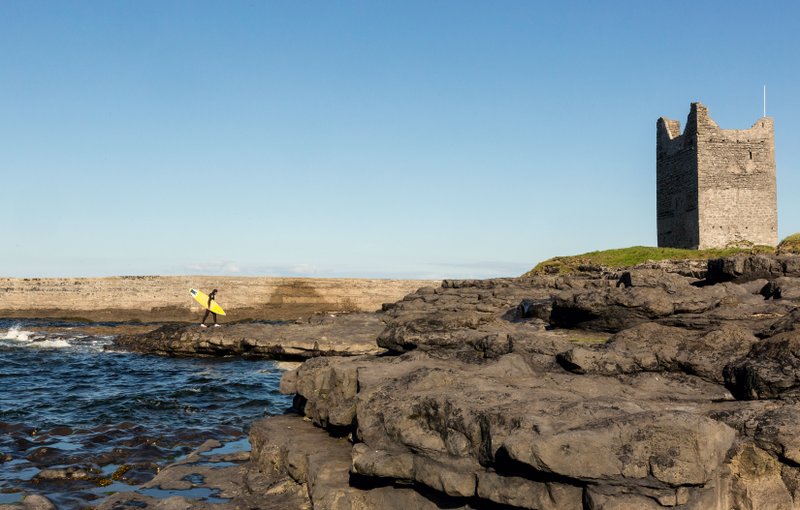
x: 79, y: 420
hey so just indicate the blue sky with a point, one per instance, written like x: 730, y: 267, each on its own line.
x: 363, y: 139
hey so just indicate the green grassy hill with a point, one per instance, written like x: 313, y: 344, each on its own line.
x: 628, y: 257
x: 790, y: 245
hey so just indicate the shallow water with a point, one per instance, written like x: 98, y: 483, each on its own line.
x: 78, y: 421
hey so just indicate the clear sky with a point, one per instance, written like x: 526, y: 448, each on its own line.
x: 366, y: 138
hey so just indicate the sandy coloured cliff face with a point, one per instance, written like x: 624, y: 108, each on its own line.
x: 166, y: 298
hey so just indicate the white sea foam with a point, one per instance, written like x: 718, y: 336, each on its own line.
x: 51, y: 344
x: 18, y: 335
x: 23, y: 338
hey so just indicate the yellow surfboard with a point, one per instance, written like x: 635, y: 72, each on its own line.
x: 203, y: 300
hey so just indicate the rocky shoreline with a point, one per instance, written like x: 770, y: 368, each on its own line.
x: 319, y: 335
x: 597, y: 391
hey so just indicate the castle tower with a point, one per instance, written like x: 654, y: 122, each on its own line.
x: 715, y: 187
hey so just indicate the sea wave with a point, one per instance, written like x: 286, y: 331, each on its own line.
x: 51, y: 344
x: 19, y: 335
x: 99, y: 410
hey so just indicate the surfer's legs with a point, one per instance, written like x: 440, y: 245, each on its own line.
x: 206, y: 317
x: 215, y: 318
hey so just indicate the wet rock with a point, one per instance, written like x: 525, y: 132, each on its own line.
x: 115, y: 456
x: 31, y: 502
x: 139, y: 501
x: 60, y: 431
x: 48, y: 456
x: 70, y: 473
x: 16, y: 428
x: 224, y: 477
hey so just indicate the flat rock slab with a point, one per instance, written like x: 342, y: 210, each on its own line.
x: 342, y: 335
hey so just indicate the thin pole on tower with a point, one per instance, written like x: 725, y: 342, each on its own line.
x: 765, y: 100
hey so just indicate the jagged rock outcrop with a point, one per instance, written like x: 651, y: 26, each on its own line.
x: 554, y: 393
x: 771, y: 369
x: 742, y: 268
x: 463, y: 427
x: 293, y: 452
x: 651, y: 347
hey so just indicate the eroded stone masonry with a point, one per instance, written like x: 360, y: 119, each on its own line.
x: 715, y: 187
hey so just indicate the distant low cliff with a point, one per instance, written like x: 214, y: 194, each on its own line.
x: 166, y: 298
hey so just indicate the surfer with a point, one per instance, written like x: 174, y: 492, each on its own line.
x: 208, y: 311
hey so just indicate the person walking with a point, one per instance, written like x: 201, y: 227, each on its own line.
x: 208, y: 310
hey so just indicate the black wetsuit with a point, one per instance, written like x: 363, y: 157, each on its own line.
x: 210, y: 299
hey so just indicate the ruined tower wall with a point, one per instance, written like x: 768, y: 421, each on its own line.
x: 676, y: 185
x: 736, y: 181
x: 715, y: 187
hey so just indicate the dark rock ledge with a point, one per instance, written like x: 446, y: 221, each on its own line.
x: 552, y: 393
x: 320, y: 335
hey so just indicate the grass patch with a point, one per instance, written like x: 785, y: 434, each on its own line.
x: 628, y: 257
x: 790, y: 245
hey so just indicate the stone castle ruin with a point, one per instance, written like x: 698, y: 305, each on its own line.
x: 715, y: 187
